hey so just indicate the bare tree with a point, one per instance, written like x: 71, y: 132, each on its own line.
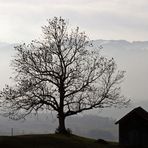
x: 61, y: 73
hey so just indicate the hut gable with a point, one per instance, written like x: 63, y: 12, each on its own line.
x: 139, y: 111
x: 133, y: 128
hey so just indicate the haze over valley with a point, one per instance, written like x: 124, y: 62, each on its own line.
x: 129, y: 56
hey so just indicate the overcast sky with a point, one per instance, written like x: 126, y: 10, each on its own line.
x: 21, y: 20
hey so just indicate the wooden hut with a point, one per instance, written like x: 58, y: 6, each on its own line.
x: 133, y: 128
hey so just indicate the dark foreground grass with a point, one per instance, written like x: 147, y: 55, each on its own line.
x: 51, y: 141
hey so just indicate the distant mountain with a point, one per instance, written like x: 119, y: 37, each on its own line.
x: 122, y: 45
x: 5, y: 47
x: 6, y: 53
x: 133, y: 58
x: 129, y: 56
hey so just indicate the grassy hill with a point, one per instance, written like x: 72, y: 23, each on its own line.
x: 51, y: 141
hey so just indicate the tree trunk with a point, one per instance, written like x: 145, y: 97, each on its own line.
x: 61, y: 116
x: 61, y: 128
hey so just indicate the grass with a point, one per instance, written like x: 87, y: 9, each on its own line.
x: 51, y: 141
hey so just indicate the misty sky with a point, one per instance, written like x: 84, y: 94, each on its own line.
x: 21, y: 20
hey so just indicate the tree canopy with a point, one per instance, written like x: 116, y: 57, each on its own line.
x: 63, y: 73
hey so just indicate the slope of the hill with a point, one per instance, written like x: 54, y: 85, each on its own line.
x: 52, y: 141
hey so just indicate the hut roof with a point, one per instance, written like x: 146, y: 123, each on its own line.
x: 138, y: 111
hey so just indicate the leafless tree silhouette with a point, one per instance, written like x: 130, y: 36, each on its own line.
x: 61, y: 73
